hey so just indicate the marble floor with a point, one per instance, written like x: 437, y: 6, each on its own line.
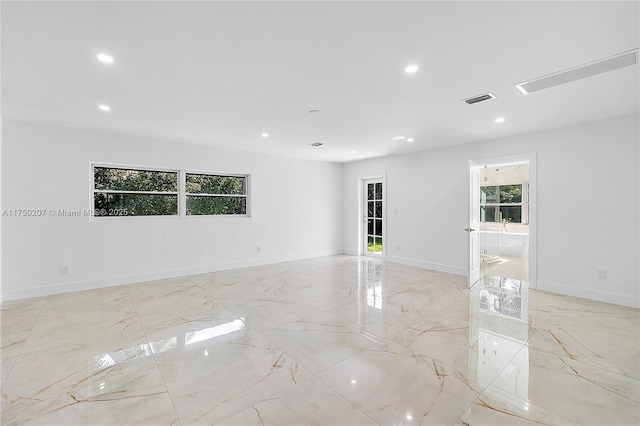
x: 337, y: 340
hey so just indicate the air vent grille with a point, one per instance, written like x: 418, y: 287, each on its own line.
x: 479, y: 98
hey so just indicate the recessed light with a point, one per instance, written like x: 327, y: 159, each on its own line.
x: 411, y: 69
x: 398, y: 138
x: 104, y: 107
x: 103, y: 57
x: 353, y: 151
x: 499, y: 120
x: 410, y: 140
x: 265, y: 135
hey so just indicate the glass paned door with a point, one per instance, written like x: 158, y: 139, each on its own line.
x: 373, y: 210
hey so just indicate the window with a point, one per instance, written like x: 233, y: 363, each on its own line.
x: 508, y: 203
x: 216, y: 194
x: 133, y: 192
x: 138, y: 191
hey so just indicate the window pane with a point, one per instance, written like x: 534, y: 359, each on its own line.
x: 378, y: 208
x: 511, y: 213
x: 370, y: 191
x: 371, y: 244
x: 488, y: 194
x: 378, y: 244
x: 135, y: 205
x: 487, y: 213
x: 216, y: 205
x: 134, y: 180
x: 378, y: 191
x: 370, y: 230
x: 214, y: 184
x: 370, y: 209
x: 378, y: 227
x: 510, y: 194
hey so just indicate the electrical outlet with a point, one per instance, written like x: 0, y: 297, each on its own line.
x: 602, y: 274
x: 258, y: 249
x: 64, y: 270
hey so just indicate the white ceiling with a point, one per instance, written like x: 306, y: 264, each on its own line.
x: 222, y: 73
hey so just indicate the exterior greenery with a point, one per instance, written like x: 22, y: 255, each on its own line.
x: 215, y: 184
x: 132, y: 192
x: 115, y: 204
x: 374, y: 217
x: 216, y: 205
x: 501, y: 201
x: 126, y: 192
x: 216, y: 194
x: 134, y: 180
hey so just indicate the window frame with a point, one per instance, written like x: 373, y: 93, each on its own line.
x: 181, y: 192
x: 523, y: 204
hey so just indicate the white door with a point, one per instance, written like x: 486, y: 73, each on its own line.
x: 473, y: 229
x: 373, y: 221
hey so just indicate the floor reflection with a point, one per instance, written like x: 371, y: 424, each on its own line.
x: 499, y: 330
x: 211, y: 335
x: 370, y: 298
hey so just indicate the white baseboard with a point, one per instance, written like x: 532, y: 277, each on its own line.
x: 428, y: 265
x: 585, y: 293
x: 47, y: 290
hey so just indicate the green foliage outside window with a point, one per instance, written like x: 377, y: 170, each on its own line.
x: 501, y: 202
x: 214, y: 194
x: 114, y: 204
x: 134, y: 180
x: 131, y: 201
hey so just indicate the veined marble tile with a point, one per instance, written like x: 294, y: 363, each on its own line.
x: 319, y: 341
x: 223, y: 378
x: 495, y: 407
x: 17, y: 318
x: 141, y: 408
x: 447, y: 341
x: 104, y: 299
x: 593, y: 346
x: 309, y: 402
x: 54, y: 372
x: 394, y: 385
x: 542, y: 307
x: 69, y: 389
x: 575, y: 390
x: 93, y: 332
x: 270, y: 310
x: 583, y: 314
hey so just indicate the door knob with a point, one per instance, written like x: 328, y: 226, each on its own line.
x: 469, y: 229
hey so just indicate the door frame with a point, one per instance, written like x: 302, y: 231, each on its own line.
x: 362, y: 234
x: 531, y: 158
x: 473, y: 224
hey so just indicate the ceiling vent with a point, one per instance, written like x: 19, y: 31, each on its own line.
x: 583, y: 71
x: 479, y: 98
x: 316, y: 144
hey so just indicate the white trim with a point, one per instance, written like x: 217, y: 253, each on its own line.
x: 585, y: 293
x: 46, y: 290
x: 456, y: 270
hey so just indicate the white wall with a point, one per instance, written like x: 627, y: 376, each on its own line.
x: 587, y: 206
x: 296, y: 212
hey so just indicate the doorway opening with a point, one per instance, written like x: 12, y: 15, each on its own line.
x: 502, y: 218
